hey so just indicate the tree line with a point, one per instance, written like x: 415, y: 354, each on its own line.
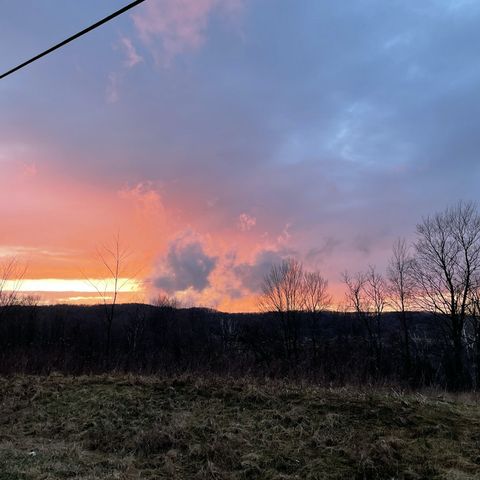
x: 439, y: 274
x: 417, y: 323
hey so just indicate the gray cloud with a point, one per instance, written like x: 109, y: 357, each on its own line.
x: 251, y: 275
x: 318, y: 254
x: 187, y: 266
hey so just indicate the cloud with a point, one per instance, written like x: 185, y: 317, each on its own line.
x: 246, y: 222
x: 185, y: 267
x: 318, y: 254
x: 363, y: 243
x: 251, y: 275
x: 144, y: 196
x: 353, y: 134
x: 176, y: 26
x: 132, y: 57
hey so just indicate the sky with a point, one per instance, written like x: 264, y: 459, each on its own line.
x: 215, y: 138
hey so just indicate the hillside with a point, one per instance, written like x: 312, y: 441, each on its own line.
x: 126, y: 427
x: 328, y: 347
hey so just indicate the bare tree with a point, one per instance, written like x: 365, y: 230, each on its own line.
x: 11, y: 278
x: 447, y: 267
x: 282, y: 292
x: 401, y: 286
x: 367, y: 295
x: 114, y: 260
x: 165, y: 301
x: 287, y: 290
x: 375, y: 291
x: 282, y: 289
x: 472, y: 336
x: 316, y: 297
x: 355, y: 293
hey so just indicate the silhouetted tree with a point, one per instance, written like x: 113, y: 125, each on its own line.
x: 376, y: 295
x: 11, y: 278
x: 472, y: 336
x: 367, y: 295
x: 283, y: 293
x: 316, y: 299
x: 113, y: 259
x: 165, y: 301
x: 447, y: 268
x: 282, y: 289
x: 355, y: 293
x: 402, y: 292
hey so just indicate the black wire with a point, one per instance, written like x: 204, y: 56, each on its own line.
x: 73, y: 37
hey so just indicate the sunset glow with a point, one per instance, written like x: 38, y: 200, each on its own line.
x: 213, y: 156
x: 42, y: 285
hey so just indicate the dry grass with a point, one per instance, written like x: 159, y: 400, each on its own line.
x: 189, y: 428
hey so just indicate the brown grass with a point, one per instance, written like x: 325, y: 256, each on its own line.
x: 126, y: 427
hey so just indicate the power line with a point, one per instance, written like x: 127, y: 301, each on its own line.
x: 73, y: 37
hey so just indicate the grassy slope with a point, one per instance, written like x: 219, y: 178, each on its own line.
x: 127, y: 427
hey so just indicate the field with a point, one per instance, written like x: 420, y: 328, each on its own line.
x: 122, y: 427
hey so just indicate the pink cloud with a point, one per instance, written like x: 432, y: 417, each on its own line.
x: 144, y: 197
x: 180, y: 25
x: 246, y: 222
x: 132, y: 57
